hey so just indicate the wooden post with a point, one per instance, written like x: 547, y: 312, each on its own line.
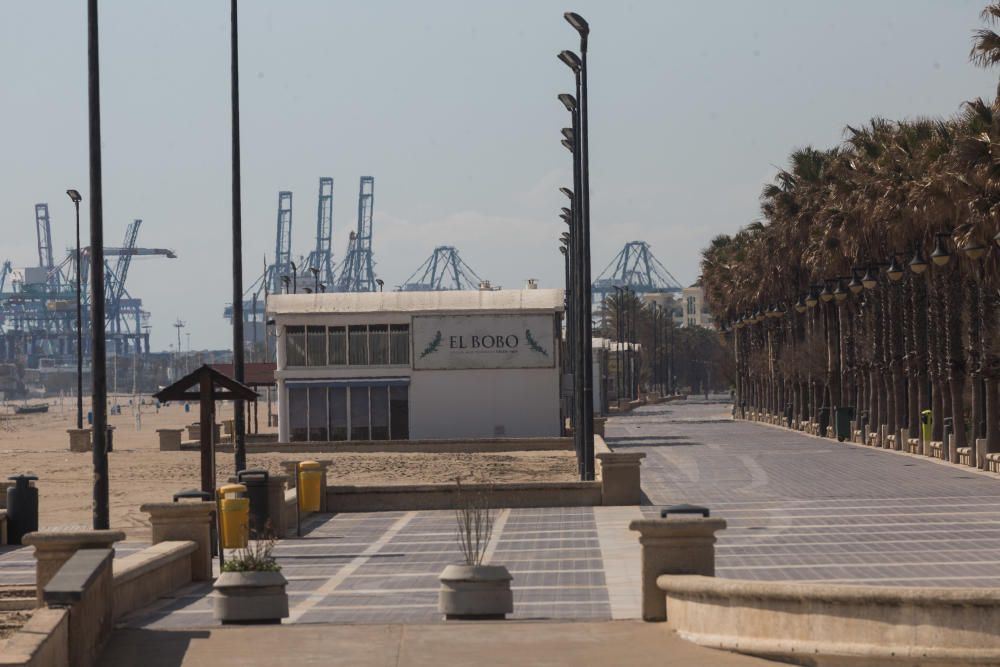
x: 206, y: 406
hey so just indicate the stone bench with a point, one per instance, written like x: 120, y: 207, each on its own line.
x: 3, y: 526
x: 170, y: 439
x: 993, y: 462
x: 913, y: 445
x: 964, y: 455
x: 934, y: 449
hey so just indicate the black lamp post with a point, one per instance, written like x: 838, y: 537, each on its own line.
x: 98, y: 374
x: 295, y: 278
x: 619, y: 371
x: 75, y: 196
x: 239, y: 407
x: 313, y: 270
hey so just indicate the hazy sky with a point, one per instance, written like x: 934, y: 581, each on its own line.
x: 452, y: 107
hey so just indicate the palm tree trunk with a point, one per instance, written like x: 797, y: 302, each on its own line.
x: 974, y: 354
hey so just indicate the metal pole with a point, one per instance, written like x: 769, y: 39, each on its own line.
x: 79, y: 327
x: 579, y: 312
x: 239, y: 406
x: 99, y: 393
x: 588, y: 370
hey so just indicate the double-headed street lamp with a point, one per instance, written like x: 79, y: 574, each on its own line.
x: 575, y: 139
x: 75, y: 196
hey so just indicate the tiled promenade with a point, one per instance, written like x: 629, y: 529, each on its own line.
x: 384, y: 567
x: 804, y: 508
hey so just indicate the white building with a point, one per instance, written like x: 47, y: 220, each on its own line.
x: 695, y: 311
x: 417, y: 365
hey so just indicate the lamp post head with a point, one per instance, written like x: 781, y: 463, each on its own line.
x: 567, y: 211
x: 568, y: 101
x: 918, y: 264
x: 567, y: 192
x: 567, y: 145
x: 578, y: 22
x: 870, y: 280
x: 941, y: 256
x: 855, y: 285
x: 567, y: 133
x: 973, y: 249
x: 571, y: 60
x: 800, y: 305
x: 380, y: 283
x: 313, y: 270
x: 75, y: 196
x: 895, y: 271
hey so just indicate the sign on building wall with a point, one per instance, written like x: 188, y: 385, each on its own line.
x: 483, y: 341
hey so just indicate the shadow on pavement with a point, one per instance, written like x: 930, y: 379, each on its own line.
x: 149, y: 648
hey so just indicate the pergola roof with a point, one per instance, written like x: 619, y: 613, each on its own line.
x: 188, y: 387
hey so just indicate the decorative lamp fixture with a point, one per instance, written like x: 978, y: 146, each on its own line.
x: 918, y: 264
x: 811, y: 299
x: 826, y: 295
x: 973, y: 249
x: 855, y: 285
x: 800, y: 305
x: 840, y: 294
x: 996, y: 239
x: 941, y: 256
x: 895, y: 271
x: 870, y: 280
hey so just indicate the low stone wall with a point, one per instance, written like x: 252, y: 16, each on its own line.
x: 41, y: 642
x: 148, y: 575
x: 483, y: 446
x: 828, y: 625
x: 445, y: 496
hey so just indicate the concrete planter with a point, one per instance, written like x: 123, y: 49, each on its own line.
x: 475, y: 592
x: 250, y: 597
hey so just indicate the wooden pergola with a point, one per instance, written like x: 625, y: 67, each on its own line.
x: 206, y: 385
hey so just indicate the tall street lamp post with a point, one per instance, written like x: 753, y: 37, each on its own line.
x: 75, y: 196
x: 239, y: 407
x: 98, y: 374
x: 619, y: 371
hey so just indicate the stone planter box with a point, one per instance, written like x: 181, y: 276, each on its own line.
x: 250, y: 597
x: 475, y: 592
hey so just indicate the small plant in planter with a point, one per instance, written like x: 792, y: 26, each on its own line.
x: 473, y: 590
x: 251, y: 588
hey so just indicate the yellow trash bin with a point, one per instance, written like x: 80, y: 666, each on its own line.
x: 234, y: 516
x: 310, y: 485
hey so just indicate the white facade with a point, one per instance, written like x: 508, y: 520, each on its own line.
x: 695, y: 311
x: 418, y: 365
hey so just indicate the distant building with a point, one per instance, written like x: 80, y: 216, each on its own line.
x: 695, y: 311
x: 418, y: 365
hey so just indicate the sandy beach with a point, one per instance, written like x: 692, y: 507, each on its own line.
x: 140, y: 473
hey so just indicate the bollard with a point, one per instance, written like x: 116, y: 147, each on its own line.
x: 684, y: 545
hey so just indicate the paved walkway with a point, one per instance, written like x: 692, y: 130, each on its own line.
x: 806, y: 508
x: 568, y: 564
x: 484, y: 644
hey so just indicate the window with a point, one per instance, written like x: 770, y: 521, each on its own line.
x: 316, y: 346
x: 295, y: 346
x: 298, y: 411
x: 338, y: 412
x: 691, y: 305
x: 399, y: 344
x: 399, y: 413
x: 380, y: 412
x: 360, y: 429
x: 337, y: 337
x: 317, y: 414
x: 378, y: 341
x: 358, y: 344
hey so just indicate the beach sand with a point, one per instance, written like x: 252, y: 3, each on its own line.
x: 140, y: 473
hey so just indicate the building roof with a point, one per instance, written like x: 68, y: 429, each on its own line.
x: 255, y: 374
x: 550, y: 300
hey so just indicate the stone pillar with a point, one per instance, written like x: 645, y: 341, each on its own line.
x: 620, y: 477
x: 79, y: 440
x: 276, y: 504
x: 170, y: 439
x: 52, y: 549
x: 673, y: 546
x: 194, y: 431
x: 188, y: 521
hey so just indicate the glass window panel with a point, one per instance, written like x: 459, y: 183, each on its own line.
x: 380, y: 413
x: 378, y: 338
x: 358, y: 344
x: 298, y: 415
x: 338, y: 346
x: 338, y: 413
x: 317, y: 414
x: 359, y: 414
x: 316, y: 346
x: 399, y: 348
x: 295, y: 346
x: 399, y: 412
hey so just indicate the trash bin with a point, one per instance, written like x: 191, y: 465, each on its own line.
x: 310, y: 484
x: 234, y: 513
x: 256, y: 482
x: 927, y: 425
x: 22, y: 508
x: 824, y: 420
x: 842, y: 422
